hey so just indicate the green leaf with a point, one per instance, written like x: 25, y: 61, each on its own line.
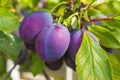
x: 5, y: 3
x: 8, y: 21
x: 112, y: 23
x: 91, y: 61
x: 37, y: 64
x: 115, y: 66
x: 3, y: 65
x: 59, y: 9
x: 10, y: 45
x: 115, y: 32
x: 105, y: 37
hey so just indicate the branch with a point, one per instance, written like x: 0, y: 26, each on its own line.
x: 8, y: 74
x: 46, y: 75
x: 101, y: 19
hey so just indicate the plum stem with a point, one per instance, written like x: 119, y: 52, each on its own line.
x: 46, y: 75
x: 101, y: 19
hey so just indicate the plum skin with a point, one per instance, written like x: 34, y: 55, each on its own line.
x: 76, y: 40
x: 69, y: 62
x: 32, y: 24
x: 54, y: 65
x: 52, y: 42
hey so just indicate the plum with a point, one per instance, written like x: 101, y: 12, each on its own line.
x: 76, y: 40
x: 52, y: 42
x: 110, y: 50
x: 54, y: 65
x: 33, y: 23
x: 69, y: 62
x: 30, y: 45
x: 22, y: 56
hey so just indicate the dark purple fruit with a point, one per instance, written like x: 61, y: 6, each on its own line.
x: 54, y: 65
x: 22, y: 56
x: 52, y: 42
x: 32, y: 24
x: 30, y: 45
x: 76, y: 40
x: 69, y: 62
x: 110, y: 50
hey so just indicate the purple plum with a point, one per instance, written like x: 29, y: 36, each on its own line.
x: 69, y: 62
x: 54, y: 65
x: 52, y: 42
x: 33, y: 23
x: 76, y: 40
x: 110, y: 50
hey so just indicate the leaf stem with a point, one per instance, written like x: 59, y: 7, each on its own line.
x: 101, y: 19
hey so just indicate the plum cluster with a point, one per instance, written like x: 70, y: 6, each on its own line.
x: 51, y: 41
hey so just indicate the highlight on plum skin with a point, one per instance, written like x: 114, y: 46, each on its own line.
x: 33, y: 23
x: 76, y: 40
x: 54, y: 65
x: 52, y: 42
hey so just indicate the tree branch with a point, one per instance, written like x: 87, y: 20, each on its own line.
x: 46, y: 75
x: 101, y: 19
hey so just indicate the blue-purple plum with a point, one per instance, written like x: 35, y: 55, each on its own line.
x: 22, y: 56
x: 30, y: 45
x: 110, y: 50
x: 54, y: 65
x: 76, y: 40
x: 33, y: 23
x: 69, y: 62
x: 52, y: 42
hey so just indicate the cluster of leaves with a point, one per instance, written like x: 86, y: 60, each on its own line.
x: 92, y: 62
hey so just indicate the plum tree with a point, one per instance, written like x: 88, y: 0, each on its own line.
x: 76, y: 40
x: 52, y: 42
x: 32, y: 24
x: 54, y: 65
x: 69, y: 62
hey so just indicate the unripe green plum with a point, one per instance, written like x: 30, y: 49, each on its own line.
x: 32, y: 24
x: 52, y: 42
